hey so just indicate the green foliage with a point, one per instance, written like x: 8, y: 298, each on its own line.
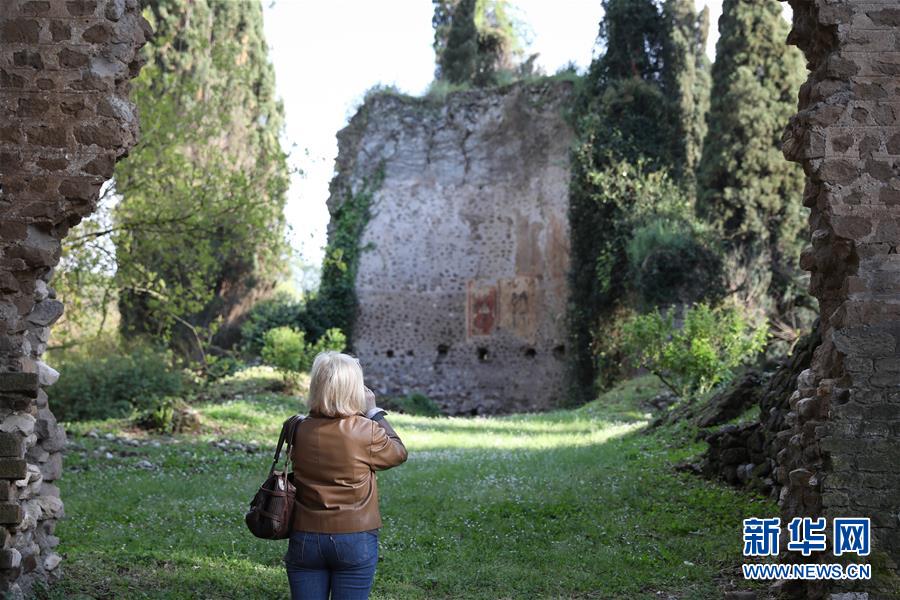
x: 218, y: 367
x: 638, y: 118
x: 287, y: 350
x: 439, y: 89
x: 747, y: 190
x: 686, y: 81
x: 459, y: 60
x: 162, y: 416
x: 103, y: 379
x: 672, y: 261
x: 412, y: 404
x: 698, y: 354
x: 476, y: 42
x: 281, y: 310
x: 646, y: 218
x: 335, y: 304
x: 631, y: 41
x: 194, y: 223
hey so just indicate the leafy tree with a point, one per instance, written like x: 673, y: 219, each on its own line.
x: 287, y: 349
x: 631, y: 39
x: 697, y: 354
x: 639, y: 97
x: 193, y: 229
x: 746, y: 188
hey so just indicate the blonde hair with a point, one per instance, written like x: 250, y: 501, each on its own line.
x: 336, y: 385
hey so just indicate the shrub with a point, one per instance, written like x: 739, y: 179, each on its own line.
x: 703, y: 352
x: 281, y: 310
x: 219, y: 367
x: 671, y: 261
x: 412, y: 404
x: 286, y: 349
x: 99, y: 381
x: 168, y: 415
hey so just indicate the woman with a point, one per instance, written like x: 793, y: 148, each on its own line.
x: 337, y: 449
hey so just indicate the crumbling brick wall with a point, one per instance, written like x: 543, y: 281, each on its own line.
x: 65, y: 119
x: 462, y: 284
x: 840, y: 453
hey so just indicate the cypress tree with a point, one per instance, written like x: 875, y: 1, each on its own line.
x: 631, y: 39
x: 497, y: 47
x: 620, y: 114
x: 686, y: 81
x: 459, y: 59
x: 641, y: 110
x: 746, y: 187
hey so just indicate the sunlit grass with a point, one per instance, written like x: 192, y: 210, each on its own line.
x: 561, y: 504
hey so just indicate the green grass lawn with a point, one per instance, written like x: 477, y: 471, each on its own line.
x: 567, y: 504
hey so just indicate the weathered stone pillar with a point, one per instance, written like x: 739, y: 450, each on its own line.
x: 65, y: 119
x: 841, y: 453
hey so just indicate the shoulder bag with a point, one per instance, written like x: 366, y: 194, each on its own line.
x: 272, y: 508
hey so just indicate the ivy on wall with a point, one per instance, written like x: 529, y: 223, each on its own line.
x: 336, y: 303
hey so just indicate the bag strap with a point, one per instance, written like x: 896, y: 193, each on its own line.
x: 292, y: 429
x: 287, y: 432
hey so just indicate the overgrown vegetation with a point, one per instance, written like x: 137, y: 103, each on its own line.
x: 286, y: 349
x: 107, y: 379
x: 747, y: 190
x: 216, y: 187
x: 335, y: 304
x: 636, y: 120
x: 697, y: 353
x: 477, y: 42
x: 642, y: 239
x: 416, y: 403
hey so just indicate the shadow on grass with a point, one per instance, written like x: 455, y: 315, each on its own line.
x: 528, y: 506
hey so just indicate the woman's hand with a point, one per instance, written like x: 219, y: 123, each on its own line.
x: 370, y: 400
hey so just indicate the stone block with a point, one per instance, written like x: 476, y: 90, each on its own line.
x: 10, y: 558
x: 11, y: 445
x: 18, y: 422
x: 46, y: 312
x: 20, y: 383
x: 13, y: 468
x: 52, y: 469
x: 10, y: 514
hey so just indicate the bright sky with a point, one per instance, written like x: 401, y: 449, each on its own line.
x: 327, y: 54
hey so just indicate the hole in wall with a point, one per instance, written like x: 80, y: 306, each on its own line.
x: 530, y: 352
x: 410, y: 353
x: 443, y: 349
x: 390, y: 353
x: 483, y: 354
x: 559, y: 351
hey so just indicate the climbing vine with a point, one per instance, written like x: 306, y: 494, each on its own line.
x: 336, y: 303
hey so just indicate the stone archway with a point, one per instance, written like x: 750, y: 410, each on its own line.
x: 65, y: 119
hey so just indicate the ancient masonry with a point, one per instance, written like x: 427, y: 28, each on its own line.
x: 462, y: 288
x: 65, y: 119
x: 840, y: 453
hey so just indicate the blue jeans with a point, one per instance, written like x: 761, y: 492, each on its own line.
x: 340, y: 564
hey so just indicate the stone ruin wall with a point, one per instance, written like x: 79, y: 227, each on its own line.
x: 462, y: 292
x: 65, y: 119
x: 840, y: 453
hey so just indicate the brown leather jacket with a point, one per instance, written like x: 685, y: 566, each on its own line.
x: 335, y: 459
